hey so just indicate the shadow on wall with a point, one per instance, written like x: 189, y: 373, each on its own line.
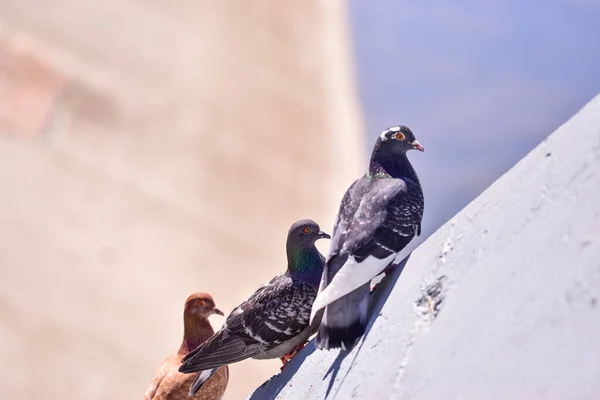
x: 271, y: 388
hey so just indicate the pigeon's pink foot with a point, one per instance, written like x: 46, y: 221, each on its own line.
x: 285, y: 359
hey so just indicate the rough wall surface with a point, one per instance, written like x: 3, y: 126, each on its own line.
x: 150, y: 149
x: 502, y: 302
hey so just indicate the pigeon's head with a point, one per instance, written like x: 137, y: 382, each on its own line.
x: 398, y: 139
x: 305, y: 233
x: 201, y: 305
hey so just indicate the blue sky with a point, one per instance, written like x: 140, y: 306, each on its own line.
x: 479, y: 83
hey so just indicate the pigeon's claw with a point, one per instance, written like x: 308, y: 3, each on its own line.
x: 286, y: 358
x: 284, y: 361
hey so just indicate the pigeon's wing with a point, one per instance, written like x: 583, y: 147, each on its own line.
x: 345, y: 217
x: 278, y: 314
x: 221, y: 349
x: 376, y: 221
x: 388, y: 218
x: 226, y: 344
x: 348, y: 206
x: 274, y: 314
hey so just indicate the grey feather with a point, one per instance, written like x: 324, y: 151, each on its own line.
x: 345, y: 319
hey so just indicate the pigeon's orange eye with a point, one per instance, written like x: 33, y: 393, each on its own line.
x: 400, y: 136
x: 201, y: 303
x: 306, y: 230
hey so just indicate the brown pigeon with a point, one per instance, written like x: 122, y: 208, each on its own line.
x: 168, y: 383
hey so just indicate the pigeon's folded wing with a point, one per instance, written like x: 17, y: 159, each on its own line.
x: 275, y: 313
x: 386, y: 220
x: 377, y: 219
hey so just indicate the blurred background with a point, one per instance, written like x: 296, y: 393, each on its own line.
x: 479, y: 83
x: 151, y: 149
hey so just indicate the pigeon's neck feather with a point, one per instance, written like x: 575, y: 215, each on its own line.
x: 305, y: 264
x: 391, y: 166
x: 195, y: 332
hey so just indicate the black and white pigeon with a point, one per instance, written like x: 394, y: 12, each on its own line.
x: 378, y: 216
x: 274, y: 321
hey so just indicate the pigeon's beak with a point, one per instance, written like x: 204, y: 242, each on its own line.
x: 217, y: 311
x: 415, y: 143
x: 323, y: 235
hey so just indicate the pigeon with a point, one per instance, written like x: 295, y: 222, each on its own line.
x: 378, y: 216
x: 274, y: 321
x: 168, y: 383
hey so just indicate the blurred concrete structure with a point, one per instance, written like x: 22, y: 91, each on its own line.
x: 149, y: 150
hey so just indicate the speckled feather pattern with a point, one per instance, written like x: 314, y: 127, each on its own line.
x: 276, y: 313
x: 377, y: 217
x: 169, y: 384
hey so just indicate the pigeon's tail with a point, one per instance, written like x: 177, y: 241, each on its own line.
x: 345, y: 320
x: 200, y: 380
x: 220, y: 349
